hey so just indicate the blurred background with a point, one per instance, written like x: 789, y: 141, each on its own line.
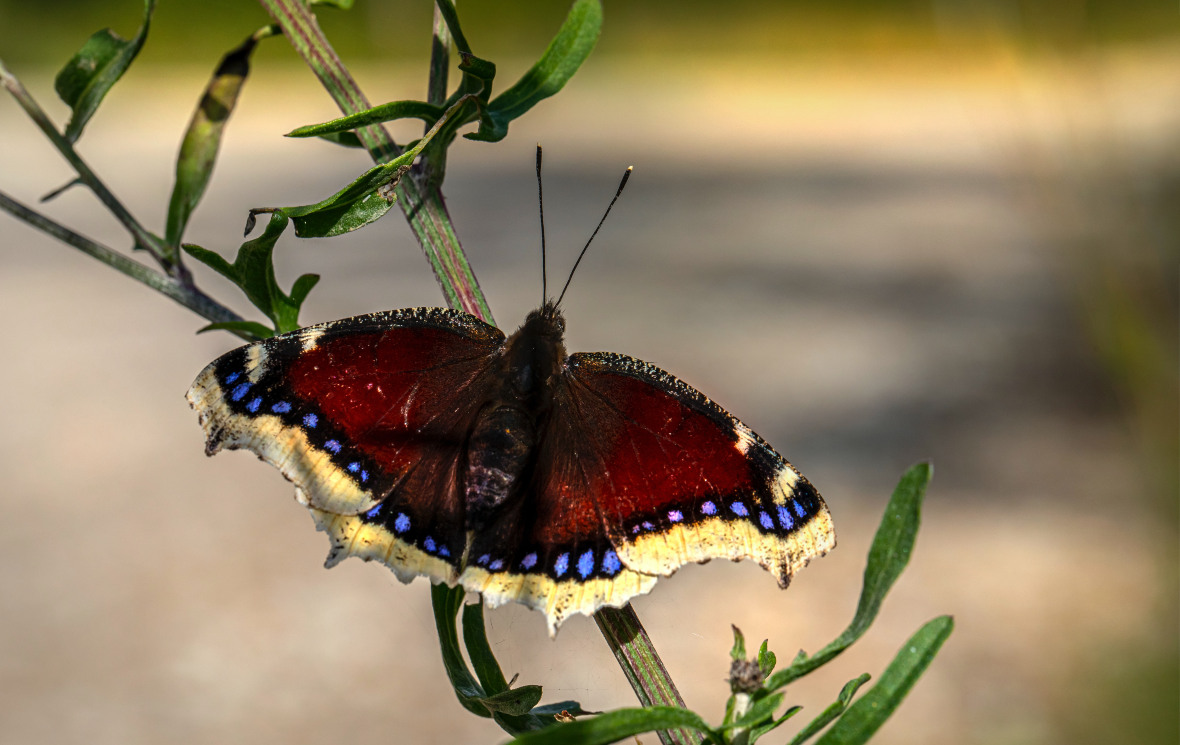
x: 878, y: 232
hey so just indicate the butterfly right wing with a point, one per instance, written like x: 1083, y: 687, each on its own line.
x: 368, y: 417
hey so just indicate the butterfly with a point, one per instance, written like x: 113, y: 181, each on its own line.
x: 425, y: 439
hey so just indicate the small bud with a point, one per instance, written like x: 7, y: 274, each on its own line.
x: 745, y: 676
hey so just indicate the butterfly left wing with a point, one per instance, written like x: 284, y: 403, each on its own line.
x: 368, y: 417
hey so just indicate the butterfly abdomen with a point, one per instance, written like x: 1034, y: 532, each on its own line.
x: 498, y: 454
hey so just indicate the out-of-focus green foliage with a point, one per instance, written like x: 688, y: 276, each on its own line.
x: 51, y: 30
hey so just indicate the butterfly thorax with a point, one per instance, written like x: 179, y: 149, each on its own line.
x: 502, y: 446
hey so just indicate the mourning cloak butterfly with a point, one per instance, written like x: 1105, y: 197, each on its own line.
x: 425, y: 439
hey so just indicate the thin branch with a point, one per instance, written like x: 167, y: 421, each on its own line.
x: 187, y: 295
x: 422, y: 204
x: 642, y: 665
x: 168, y: 259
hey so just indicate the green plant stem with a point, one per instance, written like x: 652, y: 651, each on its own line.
x: 168, y: 260
x: 431, y: 224
x: 187, y: 295
x: 423, y: 205
x: 642, y: 665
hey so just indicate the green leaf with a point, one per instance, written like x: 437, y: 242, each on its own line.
x: 475, y: 637
x: 386, y: 112
x: 367, y: 198
x: 888, y: 556
x: 330, y: 220
x: 252, y: 328
x: 762, y: 710
x: 766, y: 659
x: 253, y: 271
x: 344, y: 139
x: 94, y: 70
x: 446, y: 602
x: 340, y: 4
x: 565, y: 54
x: 513, y: 701
x: 867, y: 715
x: 616, y: 725
x: 738, y: 652
x: 757, y: 732
x: 198, y: 150
x: 834, y: 710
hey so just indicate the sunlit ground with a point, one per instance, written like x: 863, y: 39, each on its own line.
x: 871, y: 262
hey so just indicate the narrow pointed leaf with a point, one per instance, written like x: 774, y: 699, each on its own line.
x: 761, y: 711
x: 513, y: 701
x: 888, y: 556
x: 616, y: 725
x: 766, y: 659
x: 738, y: 651
x: 198, y: 150
x: 565, y: 54
x: 386, y: 112
x: 302, y: 287
x: 447, y: 601
x: 829, y: 714
x: 85, y: 80
x: 866, y: 716
x: 757, y: 732
x: 487, y: 669
x: 253, y: 328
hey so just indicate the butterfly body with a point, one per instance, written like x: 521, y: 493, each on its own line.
x: 425, y: 439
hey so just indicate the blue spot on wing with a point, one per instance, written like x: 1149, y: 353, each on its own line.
x: 765, y: 521
x: 354, y: 467
x: 229, y: 379
x: 402, y: 523
x: 282, y: 407
x: 373, y: 512
x: 428, y: 544
x: 739, y: 509
x: 496, y: 565
x: 254, y: 404
x: 610, y: 563
x: 310, y: 421
x: 444, y: 551
x: 586, y: 563
x: 240, y: 392
x: 675, y: 515
x: 332, y: 446
x: 529, y: 561
x: 800, y: 510
x: 483, y: 560
x: 784, y: 518
x: 561, y: 565
x: 709, y: 508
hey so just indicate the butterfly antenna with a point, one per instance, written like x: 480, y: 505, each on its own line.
x: 541, y: 204
x: 626, y: 175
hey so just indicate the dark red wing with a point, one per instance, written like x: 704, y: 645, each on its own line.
x: 368, y: 416
x: 676, y: 479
